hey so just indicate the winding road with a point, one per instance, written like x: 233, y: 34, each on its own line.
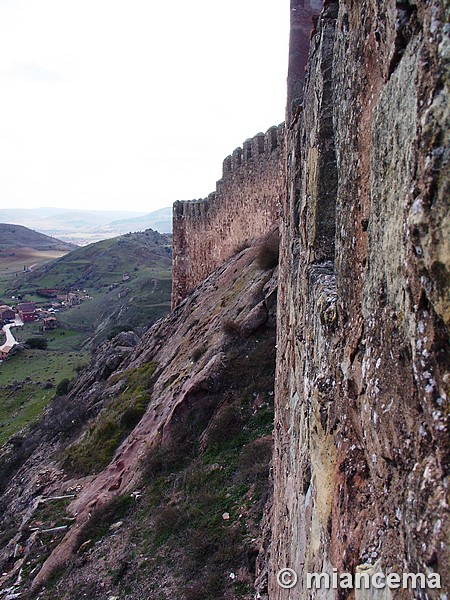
x: 10, y: 339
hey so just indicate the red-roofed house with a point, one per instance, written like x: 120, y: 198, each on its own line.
x: 27, y: 311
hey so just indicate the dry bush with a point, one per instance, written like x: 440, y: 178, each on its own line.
x: 242, y: 246
x: 255, y: 458
x: 168, y: 521
x: 199, y: 352
x: 230, y: 327
x: 224, y: 426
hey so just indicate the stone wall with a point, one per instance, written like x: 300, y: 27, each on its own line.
x: 361, y: 441
x: 245, y: 205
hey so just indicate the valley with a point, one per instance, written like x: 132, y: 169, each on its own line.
x: 84, y: 227
x: 78, y: 299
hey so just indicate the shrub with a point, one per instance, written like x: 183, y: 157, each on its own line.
x: 269, y: 251
x: 37, y: 343
x: 102, y: 517
x: 63, y: 387
x: 242, y: 246
x: 131, y: 416
x: 230, y: 327
x: 168, y: 521
x: 255, y: 458
x: 198, y: 352
x: 161, y: 461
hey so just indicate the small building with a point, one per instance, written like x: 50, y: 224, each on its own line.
x: 6, y: 313
x: 4, y: 352
x: 72, y: 299
x: 50, y: 323
x: 125, y: 277
x: 27, y: 311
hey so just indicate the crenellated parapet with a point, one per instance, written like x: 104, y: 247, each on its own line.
x: 245, y: 205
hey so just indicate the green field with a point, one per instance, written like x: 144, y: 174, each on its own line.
x: 27, y: 383
x: 59, y: 339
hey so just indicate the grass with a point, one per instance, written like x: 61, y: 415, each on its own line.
x: 23, y: 377
x: 40, y: 366
x: 144, y: 256
x: 268, y: 252
x: 13, y: 260
x: 102, y: 518
x: 215, y: 460
x: 58, y: 339
x: 23, y: 381
x: 230, y: 476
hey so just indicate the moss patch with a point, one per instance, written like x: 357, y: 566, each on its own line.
x: 95, y: 449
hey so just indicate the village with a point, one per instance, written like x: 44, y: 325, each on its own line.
x: 44, y: 313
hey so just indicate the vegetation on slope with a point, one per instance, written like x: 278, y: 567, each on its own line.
x: 28, y: 380
x: 17, y: 236
x: 201, y: 500
x: 176, y: 513
x: 95, y: 449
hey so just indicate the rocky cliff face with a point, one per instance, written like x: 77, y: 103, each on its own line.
x: 361, y: 440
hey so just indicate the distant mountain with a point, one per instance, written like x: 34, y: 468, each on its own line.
x: 160, y: 220
x: 63, y: 218
x: 86, y: 226
x: 17, y: 236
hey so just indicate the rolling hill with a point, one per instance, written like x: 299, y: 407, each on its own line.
x: 127, y: 279
x: 161, y: 220
x: 87, y: 226
x: 18, y: 236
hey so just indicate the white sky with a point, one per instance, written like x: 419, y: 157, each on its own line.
x: 114, y: 104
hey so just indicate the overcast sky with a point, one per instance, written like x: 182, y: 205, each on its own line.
x: 133, y: 104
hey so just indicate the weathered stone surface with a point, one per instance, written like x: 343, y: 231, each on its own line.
x: 304, y: 15
x: 362, y: 449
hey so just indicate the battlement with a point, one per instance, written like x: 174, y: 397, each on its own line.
x: 253, y: 148
x: 245, y: 205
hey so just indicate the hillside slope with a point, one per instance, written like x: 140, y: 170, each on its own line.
x: 164, y: 445
x: 87, y: 226
x: 17, y: 236
x: 127, y: 277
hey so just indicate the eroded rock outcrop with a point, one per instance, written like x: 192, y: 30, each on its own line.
x: 189, y: 406
x: 362, y: 449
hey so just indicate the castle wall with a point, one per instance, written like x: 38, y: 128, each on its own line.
x: 361, y: 438
x: 245, y: 205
